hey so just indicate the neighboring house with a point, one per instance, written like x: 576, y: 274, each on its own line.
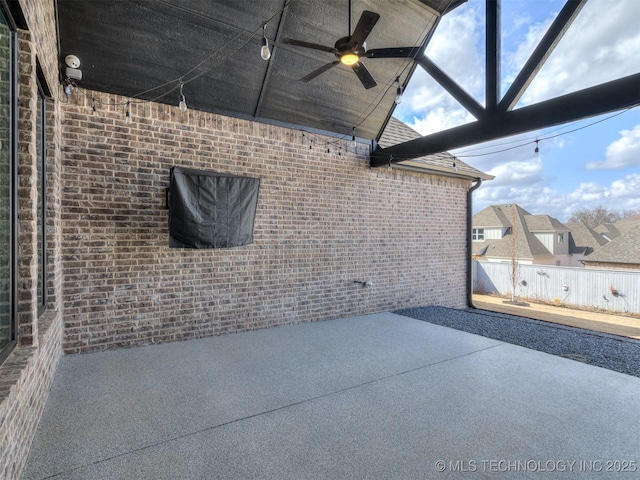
x: 440, y: 163
x: 583, y: 241
x: 502, y: 232
x: 609, y: 231
x: 621, y: 253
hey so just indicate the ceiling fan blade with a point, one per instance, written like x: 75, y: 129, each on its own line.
x: 314, y: 46
x: 366, y: 23
x: 364, y: 75
x: 318, y: 71
x: 400, y: 52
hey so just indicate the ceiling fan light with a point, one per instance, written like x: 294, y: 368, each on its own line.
x: 349, y: 59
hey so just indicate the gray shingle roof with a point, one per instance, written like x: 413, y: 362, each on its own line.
x: 440, y: 163
x: 624, y: 226
x: 607, y: 229
x: 612, y: 230
x: 625, y: 248
x: 544, y: 223
x: 491, y: 217
x: 583, y: 239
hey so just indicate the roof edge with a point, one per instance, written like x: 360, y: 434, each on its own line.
x: 422, y: 168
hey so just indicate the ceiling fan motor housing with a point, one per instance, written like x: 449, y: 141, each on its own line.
x: 343, y: 45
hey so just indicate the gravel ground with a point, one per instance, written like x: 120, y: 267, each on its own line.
x: 620, y: 354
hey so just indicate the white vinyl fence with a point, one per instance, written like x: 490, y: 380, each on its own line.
x: 614, y: 290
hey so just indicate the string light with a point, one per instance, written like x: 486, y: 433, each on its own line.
x: 265, y: 53
x: 398, y: 99
x: 127, y: 113
x: 183, y: 102
x: 93, y: 106
x: 536, y: 152
x: 354, y: 143
x: 455, y: 166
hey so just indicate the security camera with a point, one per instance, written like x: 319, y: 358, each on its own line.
x: 72, y: 61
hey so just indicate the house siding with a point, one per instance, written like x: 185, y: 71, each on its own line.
x: 493, y: 233
x: 547, y: 239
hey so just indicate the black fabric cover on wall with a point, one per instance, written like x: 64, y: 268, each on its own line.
x: 211, y: 210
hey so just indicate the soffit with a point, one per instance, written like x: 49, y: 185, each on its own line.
x: 142, y: 48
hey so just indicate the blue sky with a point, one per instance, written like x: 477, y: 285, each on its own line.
x: 596, y: 165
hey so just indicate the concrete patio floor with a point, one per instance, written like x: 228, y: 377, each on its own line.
x: 377, y: 396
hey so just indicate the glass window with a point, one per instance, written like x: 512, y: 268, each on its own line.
x: 7, y: 185
x: 477, y: 234
x: 560, y: 237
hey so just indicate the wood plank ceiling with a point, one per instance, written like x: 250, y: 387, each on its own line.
x: 144, y: 49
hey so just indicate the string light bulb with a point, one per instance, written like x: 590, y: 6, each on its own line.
x: 354, y: 143
x: 455, y: 165
x: 127, y: 114
x: 93, y: 107
x: 183, y: 102
x: 536, y: 152
x: 265, y: 53
x: 398, y: 99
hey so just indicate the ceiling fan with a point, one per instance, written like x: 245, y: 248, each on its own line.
x: 350, y: 49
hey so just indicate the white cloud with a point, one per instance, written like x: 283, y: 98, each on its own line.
x: 588, y: 192
x: 518, y: 173
x: 454, y: 49
x: 627, y: 189
x: 622, y: 153
x: 514, y: 60
x: 439, y: 119
x: 620, y: 195
x: 597, y: 48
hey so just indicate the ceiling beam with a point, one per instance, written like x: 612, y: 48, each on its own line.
x: 498, y: 119
x: 450, y: 85
x: 273, y: 46
x: 546, y: 45
x: 492, y: 55
x: 607, y: 97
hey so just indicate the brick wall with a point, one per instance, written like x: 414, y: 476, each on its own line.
x: 27, y: 192
x: 27, y: 374
x: 324, y: 220
x: 25, y: 379
x: 40, y: 16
